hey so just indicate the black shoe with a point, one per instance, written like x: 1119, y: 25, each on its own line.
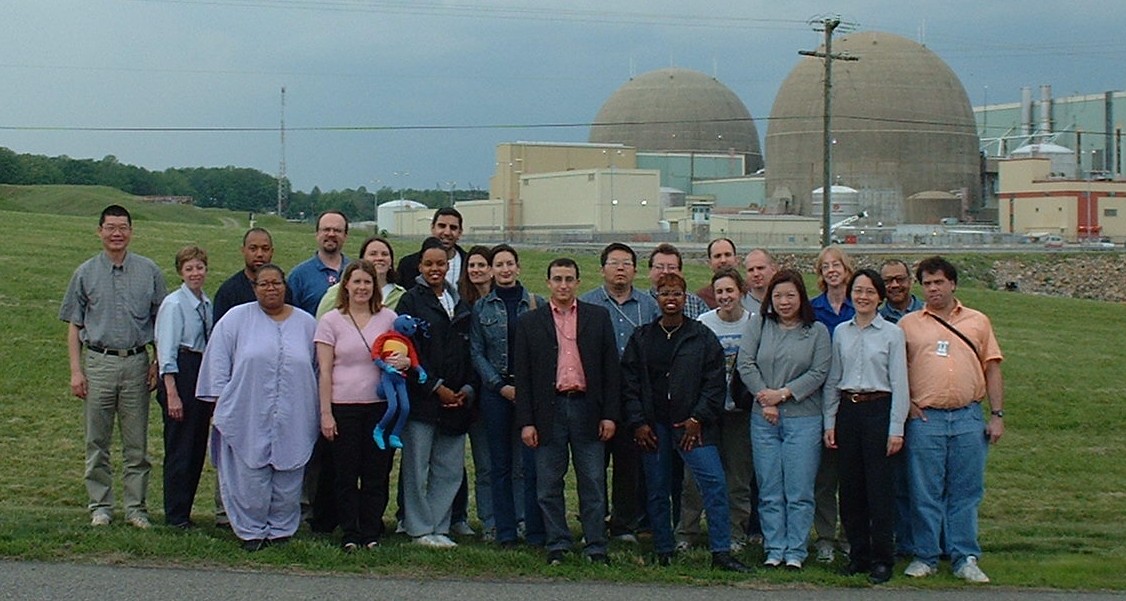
x: 665, y: 559
x: 186, y: 525
x: 598, y: 559
x: 254, y: 544
x: 508, y: 545
x: 722, y: 560
x: 279, y: 541
x: 881, y: 573
x: 556, y: 557
x: 855, y: 567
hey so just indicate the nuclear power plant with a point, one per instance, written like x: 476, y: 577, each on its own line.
x: 674, y: 154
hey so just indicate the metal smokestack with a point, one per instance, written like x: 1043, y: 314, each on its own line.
x: 1045, y: 111
x: 1026, y: 111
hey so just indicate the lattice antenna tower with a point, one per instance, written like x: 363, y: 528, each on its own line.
x: 283, y: 189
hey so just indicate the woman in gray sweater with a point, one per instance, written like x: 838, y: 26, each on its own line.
x: 783, y: 360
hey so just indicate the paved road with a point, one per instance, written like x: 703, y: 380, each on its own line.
x: 71, y: 582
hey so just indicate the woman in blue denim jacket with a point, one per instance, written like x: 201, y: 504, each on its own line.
x: 492, y: 344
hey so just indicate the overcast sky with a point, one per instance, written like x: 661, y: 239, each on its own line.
x: 429, y: 87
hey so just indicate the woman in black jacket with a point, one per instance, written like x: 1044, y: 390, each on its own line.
x: 673, y: 390
x: 434, y: 438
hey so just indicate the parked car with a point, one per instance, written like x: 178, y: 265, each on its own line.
x: 1053, y: 241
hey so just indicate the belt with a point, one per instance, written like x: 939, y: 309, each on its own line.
x: 129, y: 352
x: 865, y: 397
x: 570, y: 394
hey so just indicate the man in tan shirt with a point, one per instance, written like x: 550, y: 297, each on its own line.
x: 953, y: 364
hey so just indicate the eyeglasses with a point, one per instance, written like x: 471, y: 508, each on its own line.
x: 897, y: 279
x: 667, y: 268
x: 331, y: 230
x: 617, y: 263
x: 270, y: 284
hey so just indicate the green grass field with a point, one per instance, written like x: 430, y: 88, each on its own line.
x: 1056, y: 484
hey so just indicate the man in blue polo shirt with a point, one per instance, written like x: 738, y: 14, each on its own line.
x: 308, y: 282
x: 900, y: 301
x: 312, y: 277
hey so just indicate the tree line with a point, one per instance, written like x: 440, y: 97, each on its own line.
x: 235, y: 188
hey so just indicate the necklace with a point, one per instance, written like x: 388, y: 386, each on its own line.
x: 668, y: 332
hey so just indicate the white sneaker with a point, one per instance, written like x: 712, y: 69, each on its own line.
x: 737, y: 546
x: 772, y: 562
x: 443, y: 542
x: 463, y: 529
x: 793, y: 564
x: 683, y: 546
x: 970, y: 572
x: 918, y: 569
x: 435, y: 541
x: 627, y: 537
x: 824, y: 551
x: 100, y: 519
x: 140, y: 522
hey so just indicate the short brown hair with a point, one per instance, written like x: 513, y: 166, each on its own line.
x: 190, y: 253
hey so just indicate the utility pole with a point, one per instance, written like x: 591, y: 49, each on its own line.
x: 827, y: 25
x: 283, y: 189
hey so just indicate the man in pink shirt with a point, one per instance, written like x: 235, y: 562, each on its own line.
x: 568, y: 399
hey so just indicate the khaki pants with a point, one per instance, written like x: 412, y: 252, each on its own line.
x: 117, y: 388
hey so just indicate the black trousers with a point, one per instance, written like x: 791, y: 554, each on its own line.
x: 867, y: 495
x: 627, y: 484
x: 362, y: 472
x: 185, y: 441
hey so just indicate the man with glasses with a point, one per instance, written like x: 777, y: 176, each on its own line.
x: 628, y: 308
x: 110, y: 306
x: 665, y: 258
x: 900, y: 301
x: 312, y: 277
x: 308, y: 282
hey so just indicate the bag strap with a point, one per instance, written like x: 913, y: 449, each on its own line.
x: 957, y: 332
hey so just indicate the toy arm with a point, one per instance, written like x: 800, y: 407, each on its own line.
x: 385, y: 366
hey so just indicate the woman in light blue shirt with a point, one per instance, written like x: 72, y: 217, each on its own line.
x: 183, y: 325
x: 865, y: 405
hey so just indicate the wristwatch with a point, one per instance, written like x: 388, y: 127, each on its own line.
x: 997, y: 412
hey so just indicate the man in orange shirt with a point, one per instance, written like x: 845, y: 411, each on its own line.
x: 953, y: 364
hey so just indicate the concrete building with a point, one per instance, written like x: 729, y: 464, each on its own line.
x: 1081, y: 132
x: 1034, y: 202
x: 902, y: 124
x: 516, y: 161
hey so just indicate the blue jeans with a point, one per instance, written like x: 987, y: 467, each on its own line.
x: 946, y: 472
x: 572, y: 429
x: 786, y: 459
x: 706, y: 468
x: 497, y: 413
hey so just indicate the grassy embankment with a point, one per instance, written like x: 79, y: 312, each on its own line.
x: 1052, y: 517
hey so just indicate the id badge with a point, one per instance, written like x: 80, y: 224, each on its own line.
x: 942, y: 349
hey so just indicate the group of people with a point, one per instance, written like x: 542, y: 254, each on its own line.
x: 747, y: 402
